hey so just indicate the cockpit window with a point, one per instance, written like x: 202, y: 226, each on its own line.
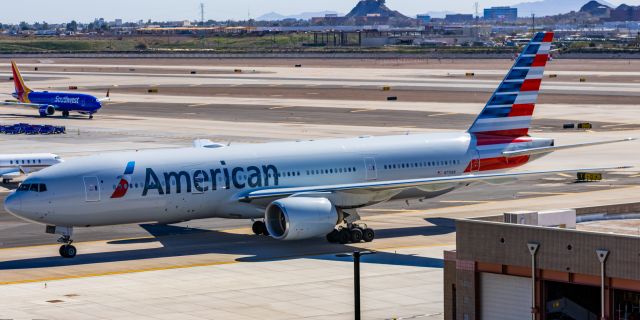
x: 34, y: 187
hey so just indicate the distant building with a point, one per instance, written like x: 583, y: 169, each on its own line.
x: 501, y: 14
x: 458, y: 18
x: 118, y: 23
x: 424, y: 18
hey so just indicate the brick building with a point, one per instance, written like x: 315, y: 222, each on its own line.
x: 489, y: 275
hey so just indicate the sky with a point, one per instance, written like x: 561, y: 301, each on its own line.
x: 56, y: 11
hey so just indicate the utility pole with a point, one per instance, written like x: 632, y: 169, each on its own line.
x: 533, y: 22
x: 477, y: 27
x: 202, y: 14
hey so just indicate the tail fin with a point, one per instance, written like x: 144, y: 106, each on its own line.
x: 508, y: 112
x: 21, y: 89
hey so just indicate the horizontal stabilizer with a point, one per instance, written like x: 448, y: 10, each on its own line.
x: 544, y: 150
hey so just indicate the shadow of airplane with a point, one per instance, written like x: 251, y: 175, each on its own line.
x: 179, y: 241
x: 37, y: 116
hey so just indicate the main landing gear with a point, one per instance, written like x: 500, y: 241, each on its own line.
x: 352, y: 233
x: 67, y: 250
x: 65, y: 114
x: 260, y: 228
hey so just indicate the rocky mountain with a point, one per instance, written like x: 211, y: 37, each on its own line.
x: 551, y: 7
x: 377, y: 7
x: 596, y: 9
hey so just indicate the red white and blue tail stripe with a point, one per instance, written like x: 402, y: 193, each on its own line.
x: 508, y: 112
x: 504, y: 122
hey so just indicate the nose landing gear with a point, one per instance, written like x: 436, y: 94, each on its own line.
x: 67, y: 250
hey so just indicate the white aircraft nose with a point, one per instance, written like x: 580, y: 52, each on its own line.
x: 13, y: 204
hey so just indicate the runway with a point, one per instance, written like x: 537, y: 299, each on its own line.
x: 215, y: 268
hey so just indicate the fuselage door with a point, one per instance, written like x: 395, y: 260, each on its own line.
x: 91, y: 189
x: 371, y: 172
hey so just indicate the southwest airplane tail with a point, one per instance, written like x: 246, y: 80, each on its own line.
x: 21, y: 90
x: 48, y: 103
x: 296, y: 190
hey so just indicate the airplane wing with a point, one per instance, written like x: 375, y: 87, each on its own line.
x: 404, y: 184
x: 22, y: 104
x: 533, y: 151
x: 10, y: 171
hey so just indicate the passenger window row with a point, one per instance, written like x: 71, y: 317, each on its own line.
x: 35, y: 187
x: 24, y: 161
x: 422, y: 164
x: 330, y: 171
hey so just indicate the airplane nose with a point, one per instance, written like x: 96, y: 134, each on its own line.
x: 13, y: 204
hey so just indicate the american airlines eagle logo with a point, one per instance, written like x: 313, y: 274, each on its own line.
x: 123, y: 185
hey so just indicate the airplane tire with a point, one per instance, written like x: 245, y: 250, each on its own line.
x: 71, y: 251
x: 368, y: 235
x: 68, y: 251
x: 65, y: 114
x: 259, y: 228
x: 356, y: 235
x: 344, y: 236
x: 332, y: 236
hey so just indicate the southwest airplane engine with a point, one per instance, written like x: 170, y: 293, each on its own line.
x: 300, y: 218
x: 47, y: 111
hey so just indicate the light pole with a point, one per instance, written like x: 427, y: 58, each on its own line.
x: 356, y: 277
x: 602, y: 257
x: 533, y: 249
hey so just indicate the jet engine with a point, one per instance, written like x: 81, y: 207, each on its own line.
x: 300, y: 218
x: 47, y: 111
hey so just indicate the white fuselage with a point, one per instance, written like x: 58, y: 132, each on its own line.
x: 183, y: 184
x: 27, y: 162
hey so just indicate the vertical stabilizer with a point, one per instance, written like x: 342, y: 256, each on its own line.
x: 21, y: 90
x: 508, y: 112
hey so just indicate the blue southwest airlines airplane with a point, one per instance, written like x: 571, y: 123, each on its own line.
x: 48, y: 103
x: 295, y: 190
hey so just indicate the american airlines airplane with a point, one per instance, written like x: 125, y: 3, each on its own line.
x: 14, y: 165
x: 294, y: 190
x: 48, y: 103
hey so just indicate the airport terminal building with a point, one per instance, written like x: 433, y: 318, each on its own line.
x: 506, y: 270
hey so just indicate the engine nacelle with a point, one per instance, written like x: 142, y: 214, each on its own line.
x: 300, y: 218
x: 47, y: 111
